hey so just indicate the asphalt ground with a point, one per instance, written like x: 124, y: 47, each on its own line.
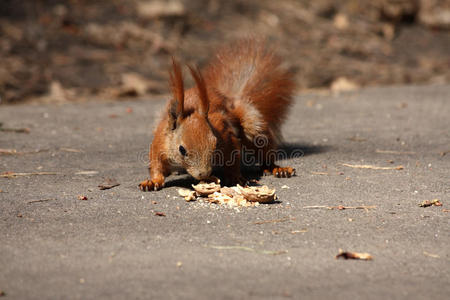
x: 113, y: 245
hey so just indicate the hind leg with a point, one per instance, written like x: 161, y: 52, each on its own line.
x: 280, y: 172
x: 269, y: 166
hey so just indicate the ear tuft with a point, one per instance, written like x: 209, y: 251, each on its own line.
x: 176, y: 109
x: 177, y: 86
x: 201, y: 89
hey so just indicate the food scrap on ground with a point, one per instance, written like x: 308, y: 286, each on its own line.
x: 205, y: 189
x: 354, y: 255
x: 426, y: 203
x: 230, y: 196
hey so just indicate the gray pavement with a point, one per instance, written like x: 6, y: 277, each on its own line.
x: 114, y: 246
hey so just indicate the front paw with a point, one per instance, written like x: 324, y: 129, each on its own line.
x: 150, y: 185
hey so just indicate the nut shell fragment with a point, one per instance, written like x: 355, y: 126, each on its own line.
x: 262, y: 194
x: 187, y: 194
x: 205, y: 189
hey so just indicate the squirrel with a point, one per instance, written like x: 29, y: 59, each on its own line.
x: 239, y: 100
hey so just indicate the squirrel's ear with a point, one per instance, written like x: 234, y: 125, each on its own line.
x: 176, y: 109
x: 201, y: 89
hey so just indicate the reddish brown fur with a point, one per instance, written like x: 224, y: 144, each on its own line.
x: 242, y: 94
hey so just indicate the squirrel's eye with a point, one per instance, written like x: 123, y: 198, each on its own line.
x: 182, y: 150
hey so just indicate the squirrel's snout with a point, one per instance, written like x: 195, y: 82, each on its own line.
x: 201, y: 174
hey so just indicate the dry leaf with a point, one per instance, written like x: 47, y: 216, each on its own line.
x: 160, y: 214
x: 427, y: 203
x: 354, y: 255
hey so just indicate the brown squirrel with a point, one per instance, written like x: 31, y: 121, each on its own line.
x: 240, y: 100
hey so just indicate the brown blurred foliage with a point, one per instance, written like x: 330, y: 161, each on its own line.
x: 75, y: 50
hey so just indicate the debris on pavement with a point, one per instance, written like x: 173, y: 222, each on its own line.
x: 426, y: 203
x: 187, y: 194
x: 261, y: 194
x: 299, y: 231
x: 86, y: 173
x: 268, y: 252
x: 394, y: 152
x: 400, y: 167
x: 430, y: 254
x: 319, y: 173
x: 14, y: 174
x: 15, y: 130
x: 341, y: 207
x: 354, y: 255
x: 71, y: 150
x: 235, y: 196
x: 343, y: 84
x: 82, y: 197
x: 356, y: 138
x: 160, y: 214
x: 204, y: 189
x: 274, y: 221
x: 443, y: 153
x: 9, y: 152
x: 109, y: 183
x: 41, y: 200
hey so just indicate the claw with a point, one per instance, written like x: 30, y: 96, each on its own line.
x: 281, y: 172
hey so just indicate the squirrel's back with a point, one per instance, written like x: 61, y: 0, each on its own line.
x: 250, y: 75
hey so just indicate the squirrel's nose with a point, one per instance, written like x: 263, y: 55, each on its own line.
x: 203, y: 174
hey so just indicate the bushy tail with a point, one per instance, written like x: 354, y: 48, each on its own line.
x: 250, y: 73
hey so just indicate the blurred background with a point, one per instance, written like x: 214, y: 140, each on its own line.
x: 78, y: 50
